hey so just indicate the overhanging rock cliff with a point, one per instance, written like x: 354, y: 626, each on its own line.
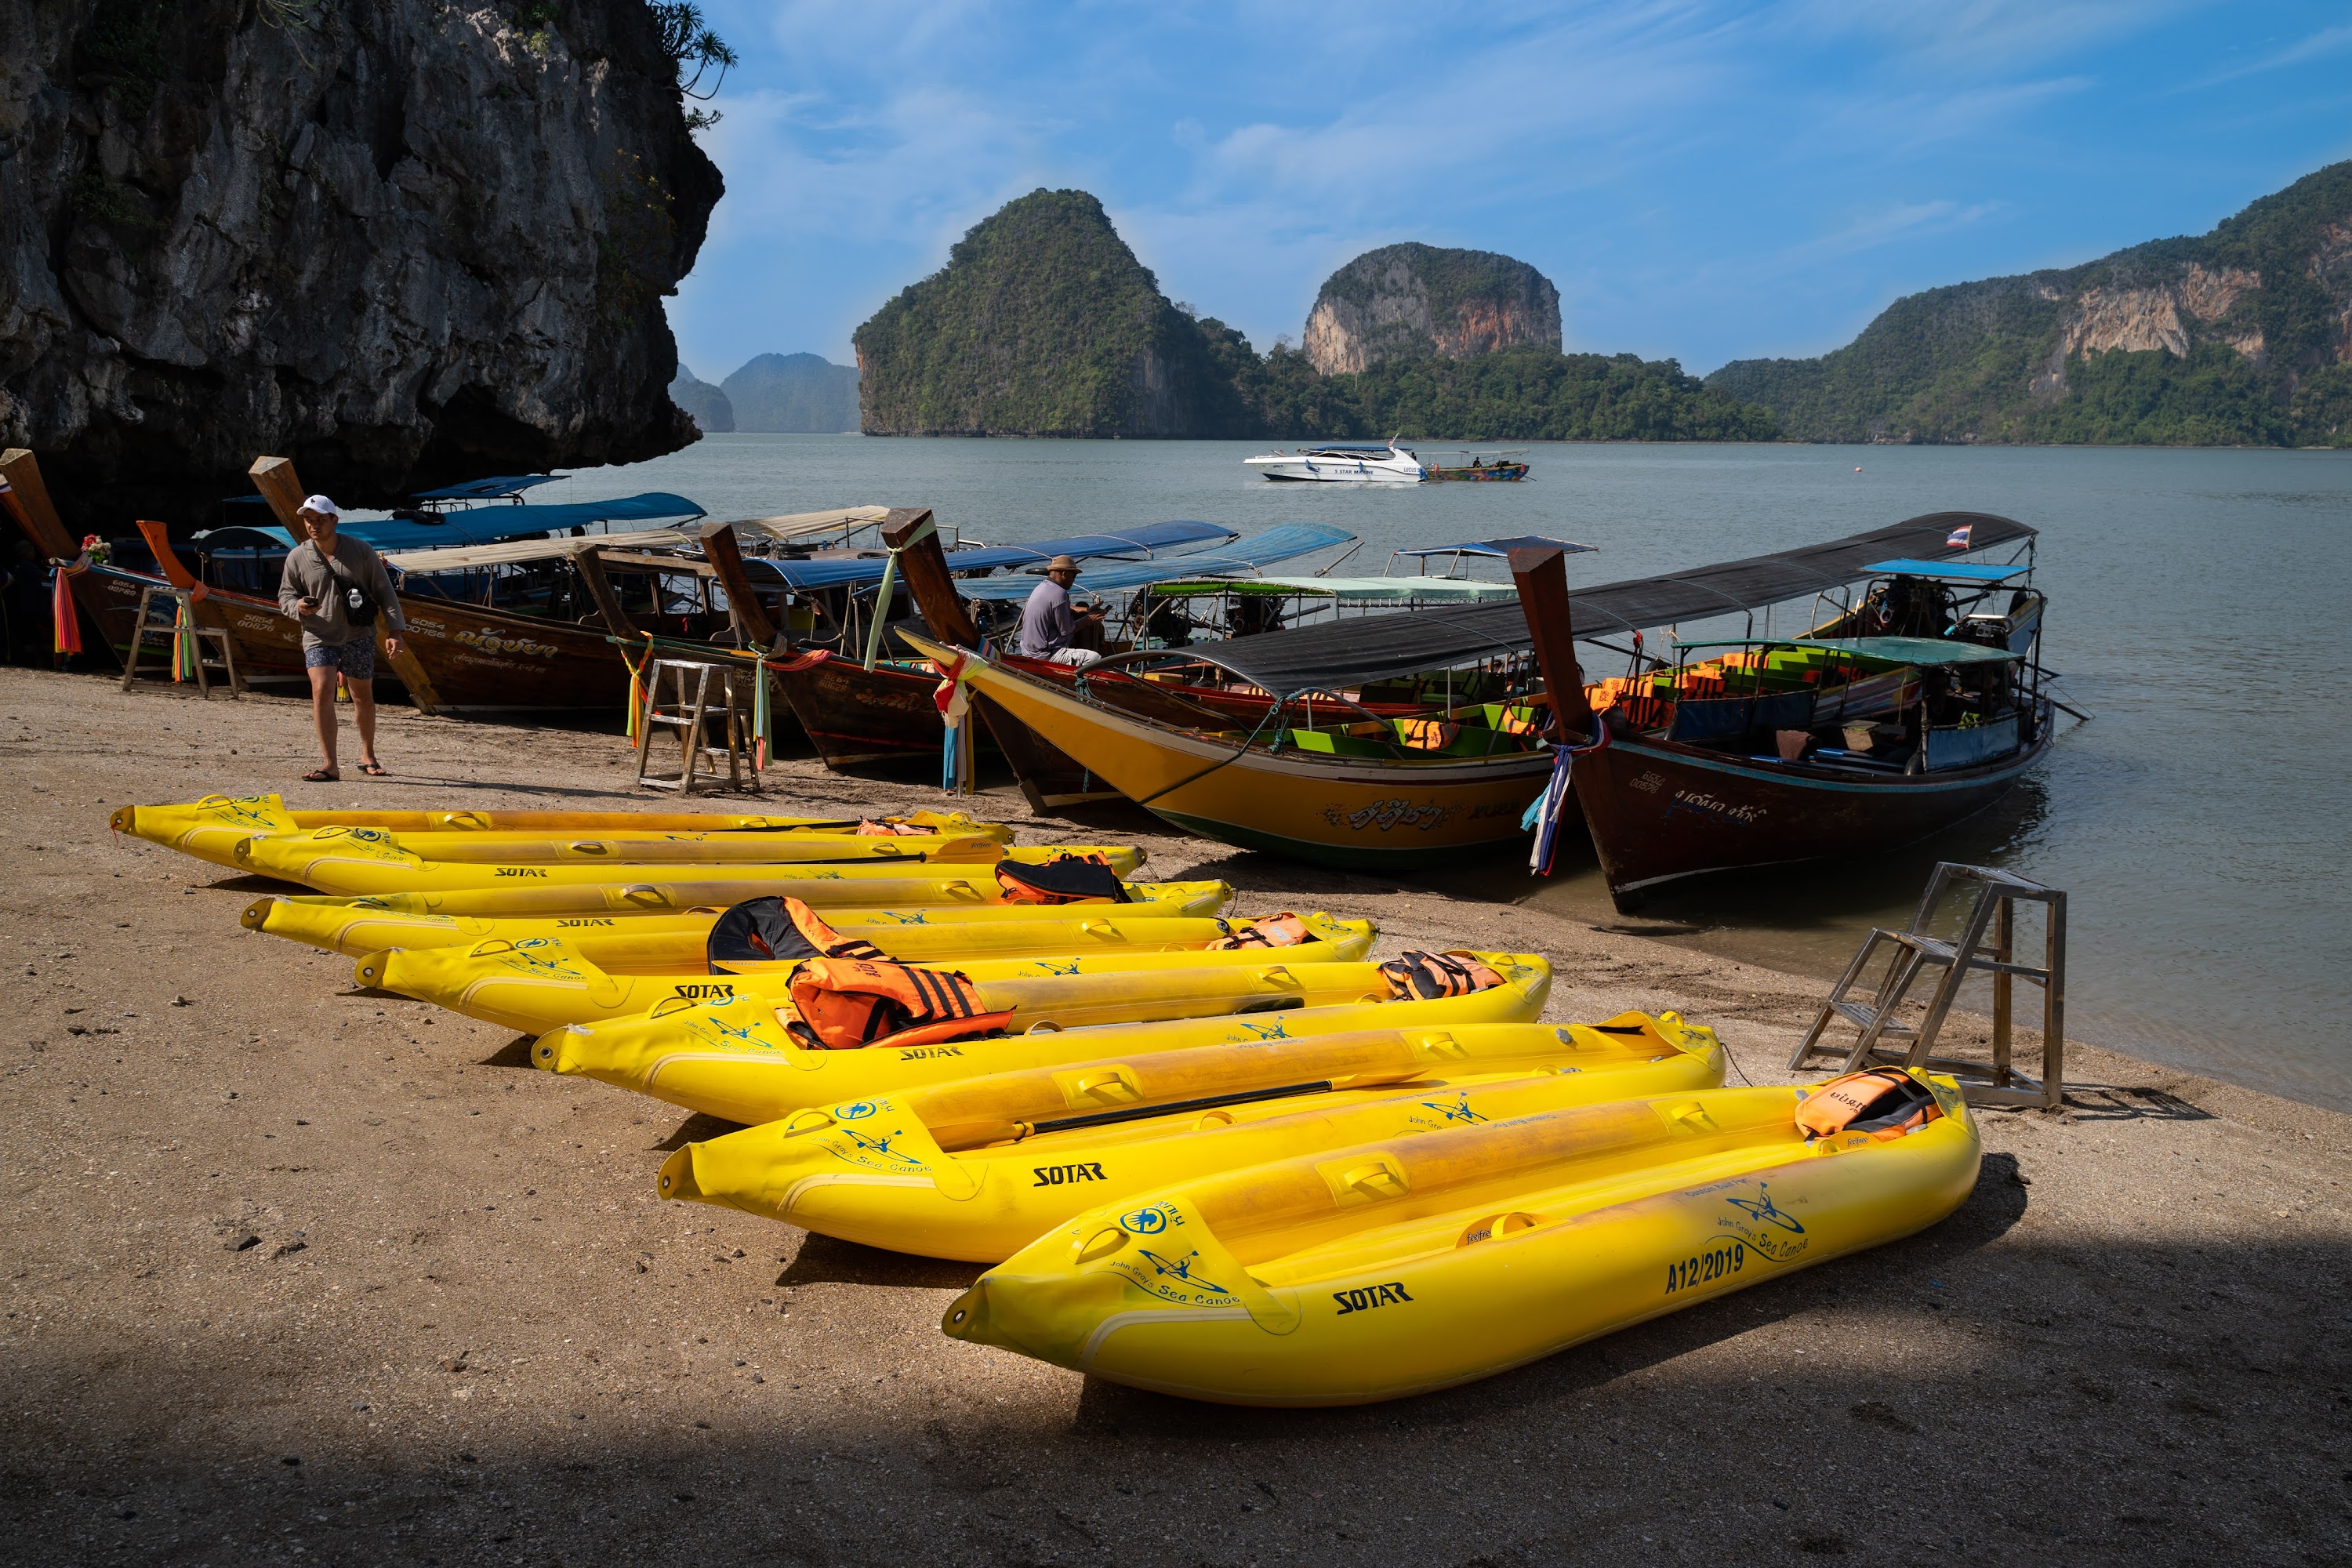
x: 402, y: 241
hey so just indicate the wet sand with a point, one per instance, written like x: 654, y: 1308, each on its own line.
x: 300, y: 1271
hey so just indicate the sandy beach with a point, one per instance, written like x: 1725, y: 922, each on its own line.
x: 300, y: 1271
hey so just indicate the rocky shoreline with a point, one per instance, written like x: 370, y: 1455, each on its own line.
x: 302, y: 1270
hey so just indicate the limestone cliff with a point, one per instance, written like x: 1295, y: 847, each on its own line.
x: 1405, y: 302
x: 2239, y: 336
x: 402, y: 241
x: 1042, y: 323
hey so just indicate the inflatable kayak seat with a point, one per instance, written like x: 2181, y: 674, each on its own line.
x: 769, y: 929
x: 1285, y: 929
x: 1886, y: 1104
x: 1064, y: 879
x: 1426, y: 976
x: 848, y: 1003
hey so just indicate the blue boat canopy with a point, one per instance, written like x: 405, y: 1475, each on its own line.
x: 1498, y: 546
x: 1244, y: 559
x: 1950, y: 570
x: 1911, y: 650
x: 1130, y: 541
x: 495, y: 488
x: 473, y: 525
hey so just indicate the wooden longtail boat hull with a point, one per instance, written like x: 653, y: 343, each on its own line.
x: 1660, y: 811
x: 1360, y: 812
x: 267, y: 644
x: 481, y: 658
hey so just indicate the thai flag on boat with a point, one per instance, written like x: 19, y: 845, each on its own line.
x: 1959, y: 538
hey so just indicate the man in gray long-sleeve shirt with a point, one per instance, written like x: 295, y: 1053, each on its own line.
x: 326, y: 579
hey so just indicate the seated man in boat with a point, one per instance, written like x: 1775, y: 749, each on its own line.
x: 335, y: 588
x: 1050, y: 628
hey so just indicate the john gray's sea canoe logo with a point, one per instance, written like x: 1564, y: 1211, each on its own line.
x: 1385, y: 814
x: 1769, y: 1230
x: 1172, y: 1279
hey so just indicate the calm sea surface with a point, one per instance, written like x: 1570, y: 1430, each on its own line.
x: 2202, y: 823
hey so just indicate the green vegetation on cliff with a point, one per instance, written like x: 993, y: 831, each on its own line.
x: 1044, y: 323
x: 2242, y: 336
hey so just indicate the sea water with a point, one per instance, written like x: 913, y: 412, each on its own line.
x: 2201, y: 822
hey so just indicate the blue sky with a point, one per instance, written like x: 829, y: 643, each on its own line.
x: 1707, y: 181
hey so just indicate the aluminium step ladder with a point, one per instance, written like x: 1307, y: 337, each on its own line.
x: 695, y: 713
x: 1985, y: 944
x: 182, y: 623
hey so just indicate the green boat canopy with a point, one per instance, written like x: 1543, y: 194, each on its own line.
x: 1350, y: 590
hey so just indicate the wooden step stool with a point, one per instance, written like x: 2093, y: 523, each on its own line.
x: 184, y: 605
x: 694, y: 711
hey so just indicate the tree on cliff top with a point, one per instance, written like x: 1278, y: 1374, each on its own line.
x: 1042, y: 323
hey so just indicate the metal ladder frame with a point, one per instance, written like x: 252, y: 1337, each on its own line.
x: 182, y: 600
x: 688, y: 717
x: 1912, y: 950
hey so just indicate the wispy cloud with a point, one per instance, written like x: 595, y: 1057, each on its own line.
x: 2317, y: 45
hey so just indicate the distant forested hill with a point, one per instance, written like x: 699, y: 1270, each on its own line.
x: 2242, y: 336
x: 793, y: 392
x: 1043, y: 324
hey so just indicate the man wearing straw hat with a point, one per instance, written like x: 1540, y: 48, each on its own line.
x: 336, y: 588
x: 1048, y: 624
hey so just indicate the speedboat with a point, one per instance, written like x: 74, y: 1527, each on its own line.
x: 1383, y: 464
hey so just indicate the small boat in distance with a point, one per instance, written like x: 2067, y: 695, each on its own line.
x: 1384, y: 463
x: 1487, y: 468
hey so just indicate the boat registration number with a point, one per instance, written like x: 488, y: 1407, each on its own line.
x: 1705, y: 1268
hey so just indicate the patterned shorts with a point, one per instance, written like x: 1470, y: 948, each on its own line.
x: 355, y: 658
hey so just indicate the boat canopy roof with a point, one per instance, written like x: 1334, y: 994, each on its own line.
x: 472, y: 525
x: 1950, y: 570
x: 1246, y: 559
x: 1348, y: 590
x: 1913, y: 650
x: 1497, y: 547
x: 801, y: 524
x: 515, y: 551
x: 496, y: 489
x: 1144, y: 541
x: 1343, y: 654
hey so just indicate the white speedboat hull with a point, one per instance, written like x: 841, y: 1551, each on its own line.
x: 1351, y: 468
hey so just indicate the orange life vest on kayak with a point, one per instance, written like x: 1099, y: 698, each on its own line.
x: 1285, y: 929
x: 869, y: 829
x: 1426, y: 976
x: 765, y: 930
x: 1884, y: 1102
x: 1064, y: 879
x: 846, y: 1004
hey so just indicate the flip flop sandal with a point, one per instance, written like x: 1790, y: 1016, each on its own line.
x: 373, y: 770
x: 321, y: 775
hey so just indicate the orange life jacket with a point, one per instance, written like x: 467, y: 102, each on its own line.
x: 1884, y: 1102
x: 845, y: 1004
x: 869, y: 829
x: 1427, y: 734
x: 1064, y: 879
x: 1285, y: 929
x: 765, y: 930
x: 1426, y: 976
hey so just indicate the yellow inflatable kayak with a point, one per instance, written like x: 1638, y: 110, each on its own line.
x: 1403, y: 1264
x: 655, y: 944
x: 544, y: 984
x: 210, y: 828
x: 1046, y: 1144
x: 368, y: 860
x: 914, y: 895
x: 733, y: 1060
x: 653, y: 848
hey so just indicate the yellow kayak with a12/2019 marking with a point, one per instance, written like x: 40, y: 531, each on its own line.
x: 1403, y: 1264
x: 541, y: 984
x: 977, y: 1168
x: 658, y: 944
x: 210, y: 830
x: 362, y: 860
x: 733, y: 1060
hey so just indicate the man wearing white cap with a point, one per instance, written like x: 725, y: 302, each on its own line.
x: 336, y: 588
x: 1048, y: 624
